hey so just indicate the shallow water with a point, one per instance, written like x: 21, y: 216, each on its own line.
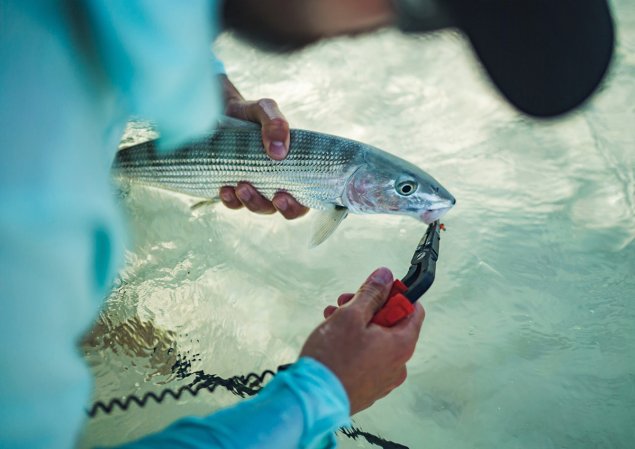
x: 529, y: 339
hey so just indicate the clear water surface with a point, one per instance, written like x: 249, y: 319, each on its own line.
x: 529, y: 340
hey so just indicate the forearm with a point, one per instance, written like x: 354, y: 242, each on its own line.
x: 326, y: 18
x: 301, y: 408
x: 295, y: 23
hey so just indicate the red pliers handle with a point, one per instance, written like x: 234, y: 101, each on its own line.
x: 415, y: 283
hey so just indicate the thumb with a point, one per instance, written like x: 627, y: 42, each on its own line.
x: 373, y: 293
x: 275, y: 127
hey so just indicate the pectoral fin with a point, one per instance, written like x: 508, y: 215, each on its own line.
x: 326, y: 223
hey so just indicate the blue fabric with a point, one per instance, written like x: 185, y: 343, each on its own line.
x: 299, y: 409
x: 69, y: 83
x: 155, y: 52
x: 218, y: 66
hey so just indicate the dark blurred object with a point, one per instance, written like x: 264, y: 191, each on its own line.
x: 545, y: 56
x: 254, y: 21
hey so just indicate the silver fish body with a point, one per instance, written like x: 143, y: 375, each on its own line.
x: 321, y: 171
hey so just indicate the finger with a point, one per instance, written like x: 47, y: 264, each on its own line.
x: 288, y: 206
x: 229, y: 198
x: 364, y: 406
x: 253, y: 200
x: 401, y: 378
x: 329, y: 310
x: 373, y: 293
x: 408, y: 331
x: 344, y: 298
x: 398, y: 378
x: 411, y: 325
x: 275, y: 127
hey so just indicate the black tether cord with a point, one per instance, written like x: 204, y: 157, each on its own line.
x: 241, y: 386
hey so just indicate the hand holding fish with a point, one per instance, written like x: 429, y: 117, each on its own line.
x: 275, y: 139
x: 368, y: 359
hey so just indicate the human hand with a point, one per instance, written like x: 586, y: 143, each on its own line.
x: 275, y: 139
x: 369, y: 360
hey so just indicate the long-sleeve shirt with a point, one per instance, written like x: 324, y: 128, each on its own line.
x: 71, y: 75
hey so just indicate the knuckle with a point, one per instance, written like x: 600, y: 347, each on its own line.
x: 403, y: 348
x: 237, y: 109
x: 279, y: 123
x: 401, y: 378
x: 266, y: 103
x: 408, y: 349
x: 278, y: 128
x: 370, y: 289
x: 351, y: 315
x: 374, y: 291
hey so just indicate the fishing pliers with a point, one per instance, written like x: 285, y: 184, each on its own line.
x: 415, y: 283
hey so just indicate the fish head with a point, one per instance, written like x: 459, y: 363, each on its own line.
x: 386, y: 184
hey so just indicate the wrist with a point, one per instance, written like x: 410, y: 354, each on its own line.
x: 231, y: 96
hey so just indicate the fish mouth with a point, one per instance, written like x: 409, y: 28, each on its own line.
x: 432, y: 215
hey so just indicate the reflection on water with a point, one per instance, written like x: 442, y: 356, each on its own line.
x: 530, y: 330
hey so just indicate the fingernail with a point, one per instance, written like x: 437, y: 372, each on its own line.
x: 226, y: 196
x: 243, y: 193
x: 277, y: 149
x: 382, y: 275
x: 281, y: 204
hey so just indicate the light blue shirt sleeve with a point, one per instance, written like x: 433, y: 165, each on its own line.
x: 156, y: 55
x: 69, y: 84
x: 301, y: 408
x: 217, y: 66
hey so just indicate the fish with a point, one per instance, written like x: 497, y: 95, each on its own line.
x: 332, y: 174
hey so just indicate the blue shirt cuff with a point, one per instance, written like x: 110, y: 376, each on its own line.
x: 217, y: 65
x: 323, y: 400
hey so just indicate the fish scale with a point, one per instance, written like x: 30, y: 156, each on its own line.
x: 314, y: 172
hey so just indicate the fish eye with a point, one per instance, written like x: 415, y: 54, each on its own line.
x: 406, y: 188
